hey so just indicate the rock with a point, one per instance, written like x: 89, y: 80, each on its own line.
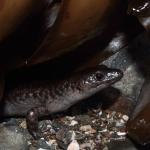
x: 42, y: 144
x: 138, y: 126
x: 73, y: 145
x: 87, y: 145
x: 87, y: 129
x: 53, y: 144
x: 23, y: 125
x: 123, y: 104
x: 105, y: 148
x: 132, y: 80
x: 10, y: 122
x: 80, y: 136
x: 45, y: 126
x: 73, y: 123
x: 57, y: 125
x: 134, y: 62
x: 125, y: 117
x: 122, y: 145
x: 11, y: 138
x: 83, y: 119
x: 64, y: 137
x: 32, y: 148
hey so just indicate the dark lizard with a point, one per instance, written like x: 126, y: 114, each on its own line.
x: 38, y: 99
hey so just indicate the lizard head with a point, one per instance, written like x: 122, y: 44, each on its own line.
x: 98, y: 78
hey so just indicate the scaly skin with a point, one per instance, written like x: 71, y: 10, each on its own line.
x: 39, y: 99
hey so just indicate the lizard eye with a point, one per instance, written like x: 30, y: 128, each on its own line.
x: 99, y: 76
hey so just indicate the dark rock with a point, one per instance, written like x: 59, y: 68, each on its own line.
x: 123, y: 105
x: 132, y: 80
x: 45, y: 125
x: 64, y: 137
x: 57, y: 125
x: 139, y: 126
x: 122, y: 145
x: 43, y: 144
x: 11, y: 138
x: 83, y: 119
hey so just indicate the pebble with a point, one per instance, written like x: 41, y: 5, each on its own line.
x: 125, y: 117
x: 105, y: 148
x: 50, y: 142
x: 45, y: 125
x: 119, y: 124
x: 73, y: 123
x: 85, y: 145
x: 43, y: 144
x: 89, y: 145
x: 122, y: 121
x: 53, y: 144
x: 74, y: 145
x: 122, y: 145
x: 70, y: 118
x: 102, y: 131
x: 23, y: 124
x: 83, y: 119
x: 87, y: 128
x: 100, y: 113
x: 64, y: 137
x: 121, y: 133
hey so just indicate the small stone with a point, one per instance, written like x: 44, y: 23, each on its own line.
x: 31, y: 147
x: 104, y: 130
x: 73, y: 123
x: 53, y: 144
x: 92, y: 131
x: 64, y: 137
x: 45, y: 125
x: 100, y: 113
x: 105, y: 148
x: 125, y: 144
x: 50, y: 142
x: 43, y: 144
x: 125, y: 117
x: 79, y: 135
x: 108, y: 116
x: 93, y: 121
x: 73, y: 145
x: 70, y: 118
x: 29, y: 142
x: 87, y: 129
x: 23, y: 125
x: 85, y: 145
x: 121, y: 133
x: 52, y: 131
x: 119, y: 124
x: 122, y: 121
x: 83, y: 119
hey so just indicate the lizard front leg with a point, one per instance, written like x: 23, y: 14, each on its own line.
x: 32, y: 120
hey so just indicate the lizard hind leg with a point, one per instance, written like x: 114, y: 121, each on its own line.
x: 32, y: 118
